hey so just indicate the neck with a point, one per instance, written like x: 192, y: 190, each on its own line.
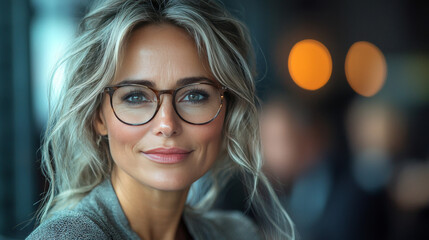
x: 152, y: 213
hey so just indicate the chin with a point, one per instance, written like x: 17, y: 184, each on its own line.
x: 170, y: 183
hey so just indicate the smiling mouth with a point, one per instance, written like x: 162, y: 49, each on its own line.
x: 167, y: 155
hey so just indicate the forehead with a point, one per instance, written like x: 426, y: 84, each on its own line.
x: 162, y: 54
x: 160, y: 35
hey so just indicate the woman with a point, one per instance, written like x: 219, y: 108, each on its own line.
x: 157, y: 94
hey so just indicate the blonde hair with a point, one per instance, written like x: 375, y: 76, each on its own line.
x: 75, y: 159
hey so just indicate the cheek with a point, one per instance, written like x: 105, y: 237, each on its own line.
x: 210, y: 138
x: 123, y: 138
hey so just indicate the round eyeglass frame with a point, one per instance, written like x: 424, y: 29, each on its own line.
x: 111, y: 90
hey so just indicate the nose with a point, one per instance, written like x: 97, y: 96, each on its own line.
x: 166, y: 122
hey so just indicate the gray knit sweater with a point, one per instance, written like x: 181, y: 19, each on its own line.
x: 100, y: 216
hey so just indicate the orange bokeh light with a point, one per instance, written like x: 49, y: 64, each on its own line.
x: 310, y: 64
x: 366, y: 68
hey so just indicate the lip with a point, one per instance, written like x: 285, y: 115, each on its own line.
x: 167, y: 155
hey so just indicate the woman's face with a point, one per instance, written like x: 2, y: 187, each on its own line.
x: 165, y: 153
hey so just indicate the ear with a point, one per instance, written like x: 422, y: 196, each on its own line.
x: 100, y: 122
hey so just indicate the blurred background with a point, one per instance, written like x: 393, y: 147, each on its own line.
x: 344, y: 122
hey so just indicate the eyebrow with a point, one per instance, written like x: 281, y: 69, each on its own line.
x: 189, y: 80
x: 179, y: 83
x: 139, y: 82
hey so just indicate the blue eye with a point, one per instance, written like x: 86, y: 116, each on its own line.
x: 135, y: 98
x: 195, y: 96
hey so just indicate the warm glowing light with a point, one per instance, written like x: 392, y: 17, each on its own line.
x: 310, y: 64
x: 365, y: 68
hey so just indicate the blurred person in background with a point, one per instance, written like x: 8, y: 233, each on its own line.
x: 376, y: 133
x: 409, y: 189
x: 297, y: 149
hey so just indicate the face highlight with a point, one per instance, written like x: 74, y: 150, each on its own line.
x: 166, y: 153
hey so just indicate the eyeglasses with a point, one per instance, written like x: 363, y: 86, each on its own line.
x: 196, y: 103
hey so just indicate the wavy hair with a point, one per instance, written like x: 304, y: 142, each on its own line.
x: 75, y: 159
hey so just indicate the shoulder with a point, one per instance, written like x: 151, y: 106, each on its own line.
x: 96, y: 216
x: 68, y: 225
x: 229, y: 225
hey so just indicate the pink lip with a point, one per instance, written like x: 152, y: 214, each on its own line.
x: 167, y: 155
